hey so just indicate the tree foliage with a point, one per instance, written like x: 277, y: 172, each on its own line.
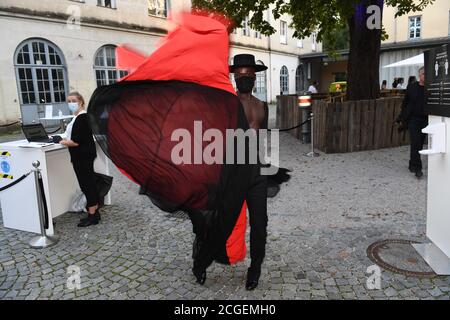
x: 308, y: 16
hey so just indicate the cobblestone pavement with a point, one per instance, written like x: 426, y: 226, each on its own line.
x: 320, y: 226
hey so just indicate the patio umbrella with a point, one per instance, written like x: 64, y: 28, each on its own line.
x: 413, y: 61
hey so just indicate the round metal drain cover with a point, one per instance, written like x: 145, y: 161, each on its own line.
x: 399, y: 256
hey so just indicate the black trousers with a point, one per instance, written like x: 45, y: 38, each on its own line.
x: 417, y: 138
x: 257, y: 207
x: 84, y: 170
x: 256, y: 198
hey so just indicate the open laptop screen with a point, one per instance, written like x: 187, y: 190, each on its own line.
x: 34, y: 132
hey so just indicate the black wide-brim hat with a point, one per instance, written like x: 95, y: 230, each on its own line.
x: 246, y: 60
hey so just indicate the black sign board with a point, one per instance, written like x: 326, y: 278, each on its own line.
x: 437, y: 81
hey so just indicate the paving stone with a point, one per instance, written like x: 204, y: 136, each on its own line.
x: 316, y: 246
x: 436, y: 292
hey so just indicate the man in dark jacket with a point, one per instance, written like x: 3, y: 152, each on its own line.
x: 413, y: 118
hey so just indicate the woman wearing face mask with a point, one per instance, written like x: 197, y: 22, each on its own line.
x: 82, y: 151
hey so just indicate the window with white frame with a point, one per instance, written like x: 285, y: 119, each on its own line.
x: 283, y: 32
x: 158, y: 7
x: 284, y: 80
x: 300, y: 82
x: 107, y: 3
x: 259, y: 90
x: 105, y: 66
x: 299, y: 43
x: 314, y: 41
x: 40, y: 72
x: 257, y: 35
x: 245, y: 27
x: 415, y: 27
x: 233, y: 82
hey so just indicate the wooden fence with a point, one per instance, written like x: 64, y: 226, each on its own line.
x: 347, y: 126
x: 289, y: 114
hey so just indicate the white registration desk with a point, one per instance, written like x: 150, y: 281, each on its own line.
x: 19, y: 203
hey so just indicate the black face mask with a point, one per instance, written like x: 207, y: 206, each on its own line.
x: 245, y: 84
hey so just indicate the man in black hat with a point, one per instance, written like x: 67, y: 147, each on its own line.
x: 256, y: 111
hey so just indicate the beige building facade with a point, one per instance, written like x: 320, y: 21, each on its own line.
x: 412, y: 34
x: 52, y: 47
x: 409, y: 35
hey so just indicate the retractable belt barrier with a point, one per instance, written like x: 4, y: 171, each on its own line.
x: 43, y: 240
x: 15, y: 182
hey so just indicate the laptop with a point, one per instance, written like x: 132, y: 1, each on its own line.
x: 36, y: 133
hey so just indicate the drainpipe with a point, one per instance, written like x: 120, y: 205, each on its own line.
x: 395, y: 25
x: 270, y: 64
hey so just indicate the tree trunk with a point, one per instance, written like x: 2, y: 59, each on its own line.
x: 364, y: 55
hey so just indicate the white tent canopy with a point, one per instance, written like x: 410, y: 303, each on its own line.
x: 413, y: 61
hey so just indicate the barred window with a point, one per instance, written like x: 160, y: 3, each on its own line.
x: 40, y: 72
x: 415, y: 27
x: 284, y: 80
x: 158, y: 7
x: 107, y: 3
x: 105, y: 66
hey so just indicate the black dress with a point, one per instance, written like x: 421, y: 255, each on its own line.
x: 83, y: 157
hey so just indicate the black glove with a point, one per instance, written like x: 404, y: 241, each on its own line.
x: 56, y: 139
x: 401, y: 125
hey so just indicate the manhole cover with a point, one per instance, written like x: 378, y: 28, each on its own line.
x: 178, y: 215
x: 399, y: 256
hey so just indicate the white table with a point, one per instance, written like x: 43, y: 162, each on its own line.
x: 19, y: 203
x: 61, y: 120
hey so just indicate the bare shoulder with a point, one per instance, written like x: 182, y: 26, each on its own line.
x: 258, y: 102
x: 260, y: 106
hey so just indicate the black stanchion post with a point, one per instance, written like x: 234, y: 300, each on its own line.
x: 304, y: 102
x: 43, y: 240
x: 312, y: 153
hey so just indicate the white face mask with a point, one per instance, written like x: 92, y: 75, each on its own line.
x: 73, y: 106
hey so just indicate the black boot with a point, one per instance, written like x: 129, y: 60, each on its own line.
x: 92, y: 219
x: 253, y: 275
x: 200, y: 275
x: 88, y: 214
x: 419, y: 173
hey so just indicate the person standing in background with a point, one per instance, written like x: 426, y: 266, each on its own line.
x: 400, y: 84
x: 413, y: 118
x: 411, y: 79
x: 394, y: 84
x: 313, y: 87
x: 384, y: 85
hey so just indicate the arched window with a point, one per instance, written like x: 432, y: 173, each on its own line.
x: 233, y: 82
x: 41, y: 77
x: 284, y: 80
x: 259, y: 90
x: 300, y: 82
x: 105, y: 66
